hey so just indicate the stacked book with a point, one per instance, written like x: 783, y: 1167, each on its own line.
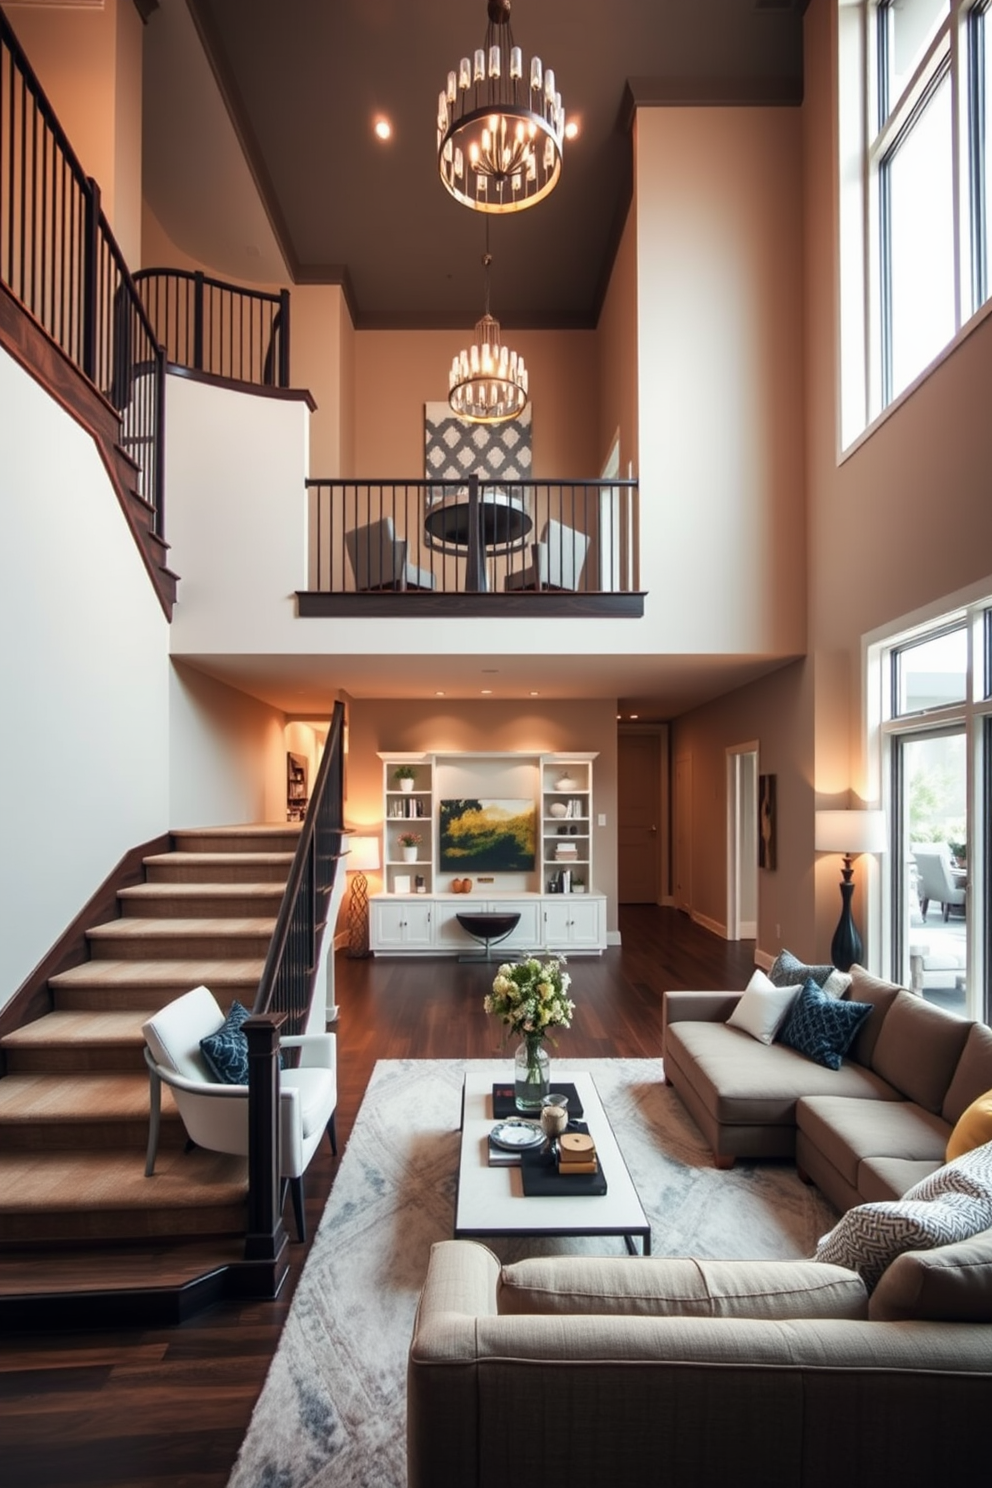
x: 566, y: 852
x: 576, y: 1154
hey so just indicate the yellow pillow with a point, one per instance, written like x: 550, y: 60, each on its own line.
x: 974, y: 1128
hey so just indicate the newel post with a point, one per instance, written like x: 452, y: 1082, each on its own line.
x: 265, y: 1241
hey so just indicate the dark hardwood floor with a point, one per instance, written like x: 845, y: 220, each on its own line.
x: 153, y: 1407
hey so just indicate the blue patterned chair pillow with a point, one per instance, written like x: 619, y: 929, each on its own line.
x: 226, y: 1051
x: 822, y: 1027
x: 788, y: 971
x: 871, y: 1236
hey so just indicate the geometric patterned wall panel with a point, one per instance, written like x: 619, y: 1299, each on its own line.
x: 454, y: 448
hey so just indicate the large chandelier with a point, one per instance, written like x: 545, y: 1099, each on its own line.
x: 499, y: 134
x: 487, y: 383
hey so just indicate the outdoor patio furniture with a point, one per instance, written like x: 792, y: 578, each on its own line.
x: 935, y: 881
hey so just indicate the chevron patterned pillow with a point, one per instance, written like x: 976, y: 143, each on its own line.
x: 226, y: 1051
x: 871, y: 1236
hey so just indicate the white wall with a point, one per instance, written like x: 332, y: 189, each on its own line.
x: 720, y: 376
x: 227, y: 756
x: 83, y: 678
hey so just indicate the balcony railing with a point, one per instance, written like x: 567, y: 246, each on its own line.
x: 241, y: 335
x: 471, y: 538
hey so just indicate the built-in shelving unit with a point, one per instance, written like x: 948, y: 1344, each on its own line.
x: 555, y: 898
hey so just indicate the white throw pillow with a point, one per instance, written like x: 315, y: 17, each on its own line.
x: 763, y: 1008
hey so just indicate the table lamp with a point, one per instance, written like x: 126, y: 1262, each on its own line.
x: 850, y: 833
x: 362, y: 858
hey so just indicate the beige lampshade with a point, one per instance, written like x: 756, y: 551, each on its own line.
x: 851, y: 832
x: 363, y: 854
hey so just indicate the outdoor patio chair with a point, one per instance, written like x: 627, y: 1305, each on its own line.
x: 935, y: 880
x: 557, y: 560
x: 379, y: 559
x: 215, y: 1115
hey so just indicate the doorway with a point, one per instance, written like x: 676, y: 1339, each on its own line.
x: 639, y: 818
x: 742, y: 842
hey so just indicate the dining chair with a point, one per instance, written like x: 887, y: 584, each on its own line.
x: 379, y: 559
x: 557, y: 560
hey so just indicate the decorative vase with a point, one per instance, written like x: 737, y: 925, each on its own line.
x: 531, y: 1074
x: 409, y: 854
x: 406, y: 783
x: 566, y: 783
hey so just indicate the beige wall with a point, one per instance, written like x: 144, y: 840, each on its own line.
x: 617, y: 353
x: 486, y: 727
x: 89, y: 64
x: 775, y: 712
x: 227, y: 754
x: 397, y: 372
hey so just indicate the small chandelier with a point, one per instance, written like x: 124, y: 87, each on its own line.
x: 499, y: 137
x: 487, y: 383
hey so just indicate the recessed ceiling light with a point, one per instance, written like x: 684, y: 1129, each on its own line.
x: 535, y: 694
x: 635, y: 715
x: 383, y: 129
x: 487, y: 692
x: 571, y: 129
x: 439, y: 694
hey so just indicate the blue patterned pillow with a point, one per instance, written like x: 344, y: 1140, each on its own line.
x: 788, y: 971
x: 823, y: 1027
x: 226, y: 1051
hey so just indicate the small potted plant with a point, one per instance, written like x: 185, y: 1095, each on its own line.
x: 410, y: 842
x: 578, y: 885
x: 405, y: 775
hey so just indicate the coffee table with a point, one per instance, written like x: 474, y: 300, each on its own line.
x: 491, y: 1201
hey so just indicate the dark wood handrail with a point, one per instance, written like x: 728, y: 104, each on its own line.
x: 290, y: 969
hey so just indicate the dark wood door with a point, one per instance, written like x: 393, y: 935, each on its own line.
x: 639, y: 818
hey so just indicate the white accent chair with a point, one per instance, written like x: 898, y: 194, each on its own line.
x: 379, y: 559
x: 216, y: 1116
x: 935, y: 880
x: 557, y: 560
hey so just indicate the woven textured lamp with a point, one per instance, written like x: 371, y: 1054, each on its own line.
x: 849, y: 833
x: 363, y: 857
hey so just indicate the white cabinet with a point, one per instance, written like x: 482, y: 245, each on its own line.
x: 572, y: 921
x: 566, y: 820
x: 408, y: 813
x: 450, y: 936
x: 402, y: 924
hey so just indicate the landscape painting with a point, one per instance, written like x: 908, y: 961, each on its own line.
x: 488, y: 836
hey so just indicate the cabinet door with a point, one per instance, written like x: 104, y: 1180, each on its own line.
x: 528, y: 935
x: 418, y: 916
x: 557, y: 922
x: 584, y: 920
x: 388, y: 919
x: 447, y: 931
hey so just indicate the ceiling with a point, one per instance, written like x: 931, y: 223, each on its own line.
x: 304, y: 82
x: 276, y: 99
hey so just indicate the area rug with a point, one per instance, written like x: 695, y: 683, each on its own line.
x: 332, y: 1412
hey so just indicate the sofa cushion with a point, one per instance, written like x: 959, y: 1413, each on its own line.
x: 918, y: 1049
x: 664, y: 1287
x: 822, y: 1027
x: 867, y: 988
x: 973, y: 1075
x: 952, y: 1284
x: 869, y: 1237
x: 846, y: 1131
x: 891, y: 1177
x: 787, y: 970
x: 763, y: 1008
x: 741, y: 1082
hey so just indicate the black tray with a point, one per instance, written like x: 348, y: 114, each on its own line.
x: 504, y: 1103
x: 542, y: 1180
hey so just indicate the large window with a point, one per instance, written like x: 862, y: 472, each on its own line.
x: 934, y: 711
x: 927, y: 69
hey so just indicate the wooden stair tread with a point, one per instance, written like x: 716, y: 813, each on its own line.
x: 69, y: 1181
x: 218, y: 859
x: 136, y: 928
x: 164, y: 973
x: 80, y: 1028
x: 37, y: 1100
x: 107, y: 1268
x: 155, y: 892
x: 247, y: 829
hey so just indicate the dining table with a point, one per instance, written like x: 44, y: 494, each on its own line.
x: 479, y: 521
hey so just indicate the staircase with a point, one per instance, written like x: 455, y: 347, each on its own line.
x: 74, y: 1104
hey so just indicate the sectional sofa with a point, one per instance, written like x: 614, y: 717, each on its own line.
x: 866, y: 1131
